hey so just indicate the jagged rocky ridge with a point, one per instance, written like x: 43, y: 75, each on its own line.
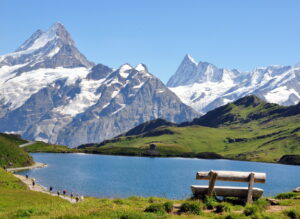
x: 204, y: 86
x: 49, y: 91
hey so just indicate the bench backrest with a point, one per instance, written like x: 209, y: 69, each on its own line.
x: 232, y: 176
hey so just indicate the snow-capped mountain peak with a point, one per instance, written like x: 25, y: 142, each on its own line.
x: 190, y: 72
x: 185, y: 73
x: 50, y: 49
x: 141, y: 67
x: 206, y: 87
x: 39, y: 39
x: 125, y: 67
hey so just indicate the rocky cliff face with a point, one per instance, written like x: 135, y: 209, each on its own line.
x: 204, y: 86
x: 141, y: 98
x: 49, y: 91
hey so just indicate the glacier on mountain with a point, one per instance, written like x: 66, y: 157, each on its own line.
x: 204, y: 86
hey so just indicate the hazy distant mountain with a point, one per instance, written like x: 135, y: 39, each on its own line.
x: 49, y: 91
x: 204, y: 86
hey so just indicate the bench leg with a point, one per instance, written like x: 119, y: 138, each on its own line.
x: 212, y: 182
x: 250, y: 188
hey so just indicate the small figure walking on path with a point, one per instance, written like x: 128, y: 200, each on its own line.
x: 58, y: 193
x: 71, y: 195
x: 51, y: 188
x: 33, y: 182
x: 64, y: 192
x: 77, y: 198
x: 26, y: 176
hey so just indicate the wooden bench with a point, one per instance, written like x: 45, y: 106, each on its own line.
x: 229, y: 191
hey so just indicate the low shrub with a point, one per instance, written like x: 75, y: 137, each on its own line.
x: 223, y: 207
x: 190, y: 207
x: 286, y: 195
x: 156, y: 208
x: 256, y: 208
x: 168, y: 207
x: 293, y: 213
x: 210, y: 202
x: 251, y: 210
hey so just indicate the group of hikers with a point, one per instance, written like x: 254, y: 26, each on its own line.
x: 64, y: 192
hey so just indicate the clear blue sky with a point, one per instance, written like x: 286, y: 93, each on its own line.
x: 240, y: 34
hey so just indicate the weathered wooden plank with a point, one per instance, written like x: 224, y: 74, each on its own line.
x: 233, y: 176
x: 250, y: 188
x: 229, y: 191
x: 212, y: 181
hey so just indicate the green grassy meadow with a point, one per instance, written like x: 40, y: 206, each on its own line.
x: 10, y: 153
x: 253, y: 142
x: 43, y: 147
x: 248, y: 129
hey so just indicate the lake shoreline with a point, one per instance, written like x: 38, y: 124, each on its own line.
x: 163, y: 156
x: 28, y: 181
x: 39, y: 188
x: 35, y: 165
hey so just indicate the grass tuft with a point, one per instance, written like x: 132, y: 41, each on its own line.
x: 156, y: 208
x: 210, y: 202
x: 286, y: 195
x: 223, y: 207
x: 191, y: 207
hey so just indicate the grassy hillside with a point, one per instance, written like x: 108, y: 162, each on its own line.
x: 44, y: 147
x: 248, y: 129
x: 10, y: 153
x: 243, y: 110
x: 16, y: 201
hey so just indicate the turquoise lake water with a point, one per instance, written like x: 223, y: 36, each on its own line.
x: 123, y: 176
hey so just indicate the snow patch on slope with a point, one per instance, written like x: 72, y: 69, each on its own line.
x: 53, y: 52
x: 87, y: 97
x: 280, y: 94
x: 200, y: 95
x: 122, y: 106
x: 17, y: 90
x: 123, y: 71
x: 42, y: 40
x: 6, y: 72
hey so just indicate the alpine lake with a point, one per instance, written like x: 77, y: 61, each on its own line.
x: 106, y: 176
